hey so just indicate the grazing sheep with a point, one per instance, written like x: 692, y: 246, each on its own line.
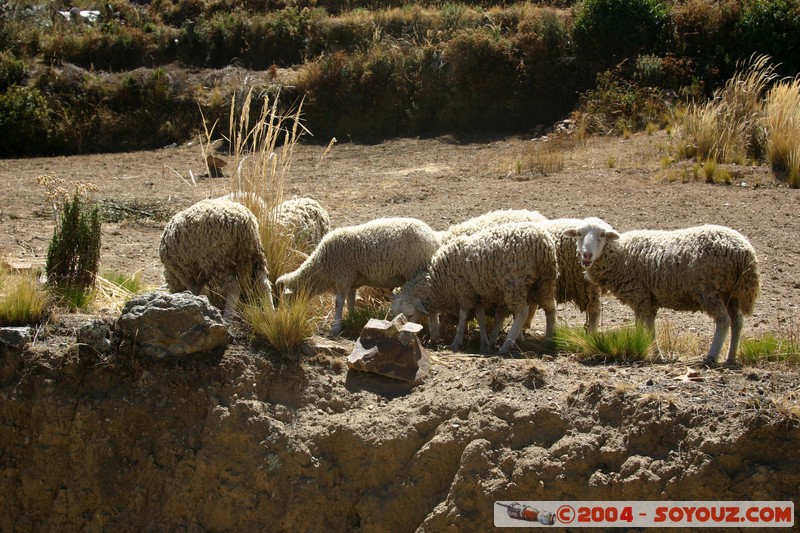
x: 490, y: 219
x: 215, y: 241
x: 509, y: 266
x: 306, y: 219
x: 708, y: 268
x: 383, y: 253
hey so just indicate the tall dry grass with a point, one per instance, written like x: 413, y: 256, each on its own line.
x: 729, y: 127
x: 783, y: 128
x: 261, y: 150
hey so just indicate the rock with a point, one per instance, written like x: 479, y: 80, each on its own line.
x: 15, y: 338
x: 215, y: 165
x: 391, y: 349
x: 180, y: 324
x: 95, y: 334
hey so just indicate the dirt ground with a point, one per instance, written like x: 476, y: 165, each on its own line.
x: 245, y: 441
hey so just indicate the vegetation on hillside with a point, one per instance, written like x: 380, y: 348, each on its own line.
x: 365, y: 70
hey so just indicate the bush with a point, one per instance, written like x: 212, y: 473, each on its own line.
x: 772, y: 27
x: 13, y: 71
x: 620, y: 106
x: 24, y: 121
x: 73, y: 255
x: 607, y: 31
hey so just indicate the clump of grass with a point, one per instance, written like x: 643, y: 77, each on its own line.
x: 367, y: 308
x: 728, y: 128
x: 623, y: 345
x: 783, y: 127
x: 132, y: 283
x: 287, y: 326
x: 546, y: 156
x: 262, y: 149
x: 22, y: 300
x: 770, y: 347
x: 74, y: 298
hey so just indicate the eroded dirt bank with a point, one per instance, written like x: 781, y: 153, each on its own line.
x: 242, y: 442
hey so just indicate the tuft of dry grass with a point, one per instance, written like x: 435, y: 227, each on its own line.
x: 22, y: 299
x: 287, y: 326
x: 783, y: 128
x: 546, y: 155
x: 728, y: 128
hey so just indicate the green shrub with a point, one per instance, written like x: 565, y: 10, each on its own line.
x: 618, y: 105
x: 627, y: 344
x: 24, y: 121
x: 772, y: 27
x: 607, y: 31
x: 13, y: 71
x: 73, y: 255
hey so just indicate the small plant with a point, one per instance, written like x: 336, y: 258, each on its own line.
x: 287, y: 326
x: 131, y: 283
x: 709, y: 170
x: 22, y: 300
x: 368, y: 308
x: 73, y: 256
x: 622, y: 345
x: 612, y: 162
x: 770, y: 347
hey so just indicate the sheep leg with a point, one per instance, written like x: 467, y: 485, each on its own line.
x: 716, y: 309
x: 549, y: 307
x: 433, y: 324
x: 499, y: 316
x: 461, y: 329
x: 480, y: 315
x: 520, y: 315
x: 528, y: 321
x: 232, y: 291
x: 737, y: 321
x: 351, y: 301
x: 266, y: 289
x: 592, y: 316
x: 336, y: 328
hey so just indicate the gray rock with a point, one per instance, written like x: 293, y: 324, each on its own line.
x: 391, y: 349
x: 95, y: 334
x: 180, y: 324
x: 15, y: 338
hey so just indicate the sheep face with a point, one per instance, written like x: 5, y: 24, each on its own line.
x: 591, y: 236
x: 411, y: 307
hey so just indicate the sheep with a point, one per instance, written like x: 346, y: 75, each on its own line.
x: 306, y: 219
x: 215, y: 241
x: 490, y: 219
x: 382, y: 253
x: 707, y: 268
x: 509, y: 266
x: 572, y: 284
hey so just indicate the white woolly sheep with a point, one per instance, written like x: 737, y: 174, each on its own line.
x: 490, y: 219
x: 215, y: 241
x: 707, y: 268
x: 572, y: 285
x: 509, y: 266
x: 382, y: 253
x: 304, y: 218
x: 307, y: 220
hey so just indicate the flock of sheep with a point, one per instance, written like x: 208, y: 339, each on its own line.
x: 505, y: 262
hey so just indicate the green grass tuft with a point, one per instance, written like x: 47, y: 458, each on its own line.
x: 624, y: 345
x: 22, y: 300
x: 769, y: 348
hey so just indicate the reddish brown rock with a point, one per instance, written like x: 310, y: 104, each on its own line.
x: 391, y: 349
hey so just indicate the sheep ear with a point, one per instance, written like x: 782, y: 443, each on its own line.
x: 572, y: 233
x: 612, y: 235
